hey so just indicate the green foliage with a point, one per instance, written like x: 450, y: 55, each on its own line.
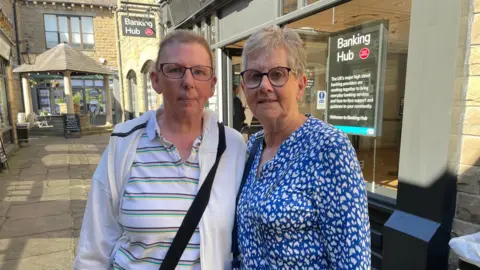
x: 77, y: 98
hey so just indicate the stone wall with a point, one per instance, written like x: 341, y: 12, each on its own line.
x: 31, y: 27
x: 466, y: 116
x: 135, y: 53
x: 12, y: 83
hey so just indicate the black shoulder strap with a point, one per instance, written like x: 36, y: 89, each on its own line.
x: 119, y: 134
x: 195, y: 212
x: 246, y: 172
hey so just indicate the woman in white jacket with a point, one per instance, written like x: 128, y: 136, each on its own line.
x: 153, y: 168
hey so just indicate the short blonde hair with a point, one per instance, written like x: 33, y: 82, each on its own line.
x: 183, y: 37
x: 273, y: 38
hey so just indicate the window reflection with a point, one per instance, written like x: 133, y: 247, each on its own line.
x: 379, y: 156
x: 289, y: 6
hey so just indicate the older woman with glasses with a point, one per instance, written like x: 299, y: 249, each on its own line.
x: 302, y: 204
x: 164, y: 192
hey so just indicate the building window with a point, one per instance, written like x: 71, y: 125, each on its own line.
x: 74, y: 31
x: 4, y: 116
x: 148, y: 91
x: 88, y: 93
x: 289, y: 6
x: 132, y: 109
x: 311, y: 1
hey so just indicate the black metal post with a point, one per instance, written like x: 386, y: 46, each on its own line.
x: 416, y: 236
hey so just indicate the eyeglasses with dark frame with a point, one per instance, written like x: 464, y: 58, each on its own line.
x: 177, y: 71
x: 278, y: 77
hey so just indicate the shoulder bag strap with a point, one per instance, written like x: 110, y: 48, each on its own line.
x: 195, y: 212
x: 246, y: 172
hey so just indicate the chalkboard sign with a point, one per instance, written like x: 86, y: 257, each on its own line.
x: 71, y: 126
x: 3, y: 156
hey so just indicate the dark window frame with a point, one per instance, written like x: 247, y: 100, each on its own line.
x: 7, y: 129
x: 70, y: 33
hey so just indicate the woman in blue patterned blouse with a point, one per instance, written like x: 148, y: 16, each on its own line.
x: 304, y: 204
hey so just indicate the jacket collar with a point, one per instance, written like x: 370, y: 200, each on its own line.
x: 210, y: 128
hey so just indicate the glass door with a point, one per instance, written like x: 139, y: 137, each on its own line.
x: 44, y: 102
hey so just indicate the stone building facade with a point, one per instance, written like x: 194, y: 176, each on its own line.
x: 88, y: 26
x: 10, y: 94
x: 31, y: 25
x: 467, y: 218
x: 137, y: 56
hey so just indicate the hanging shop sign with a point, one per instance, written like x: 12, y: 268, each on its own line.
x: 138, y: 27
x: 355, y: 78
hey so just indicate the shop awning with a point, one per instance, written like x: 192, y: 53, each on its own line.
x: 43, y: 76
x: 64, y: 58
x: 87, y: 2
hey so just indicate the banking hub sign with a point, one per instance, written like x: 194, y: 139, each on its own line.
x: 138, y: 27
x: 355, y: 78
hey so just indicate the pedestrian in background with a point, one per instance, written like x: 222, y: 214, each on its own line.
x: 163, y: 194
x: 303, y: 204
x: 238, y: 109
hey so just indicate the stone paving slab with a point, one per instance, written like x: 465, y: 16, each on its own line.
x: 42, y: 201
x: 53, y: 261
x: 40, y: 209
x: 35, y: 245
x: 24, y: 227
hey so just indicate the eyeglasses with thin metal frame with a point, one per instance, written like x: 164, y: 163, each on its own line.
x: 278, y: 77
x: 177, y: 71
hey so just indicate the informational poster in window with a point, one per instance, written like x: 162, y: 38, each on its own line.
x: 321, y: 100
x: 355, y: 78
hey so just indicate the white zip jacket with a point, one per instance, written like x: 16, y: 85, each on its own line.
x: 101, y: 234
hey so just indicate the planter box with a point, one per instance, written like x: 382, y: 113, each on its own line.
x: 76, y: 108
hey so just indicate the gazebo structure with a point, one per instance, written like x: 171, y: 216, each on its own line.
x: 65, y: 60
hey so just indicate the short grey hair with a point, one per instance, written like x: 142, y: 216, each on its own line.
x: 273, y: 38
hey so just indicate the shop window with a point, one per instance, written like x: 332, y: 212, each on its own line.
x: 132, y: 110
x: 348, y: 26
x: 4, y: 114
x: 289, y: 6
x: 151, y: 102
x: 72, y: 30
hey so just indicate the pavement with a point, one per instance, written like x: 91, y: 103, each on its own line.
x: 43, y: 198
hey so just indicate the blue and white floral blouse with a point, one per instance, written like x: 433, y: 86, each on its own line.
x: 308, y: 208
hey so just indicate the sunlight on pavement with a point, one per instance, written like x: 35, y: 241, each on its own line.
x: 71, y: 148
x: 70, y: 159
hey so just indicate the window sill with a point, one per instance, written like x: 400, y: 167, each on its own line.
x: 381, y: 202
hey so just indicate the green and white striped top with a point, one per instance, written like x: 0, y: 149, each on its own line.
x: 157, y: 196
